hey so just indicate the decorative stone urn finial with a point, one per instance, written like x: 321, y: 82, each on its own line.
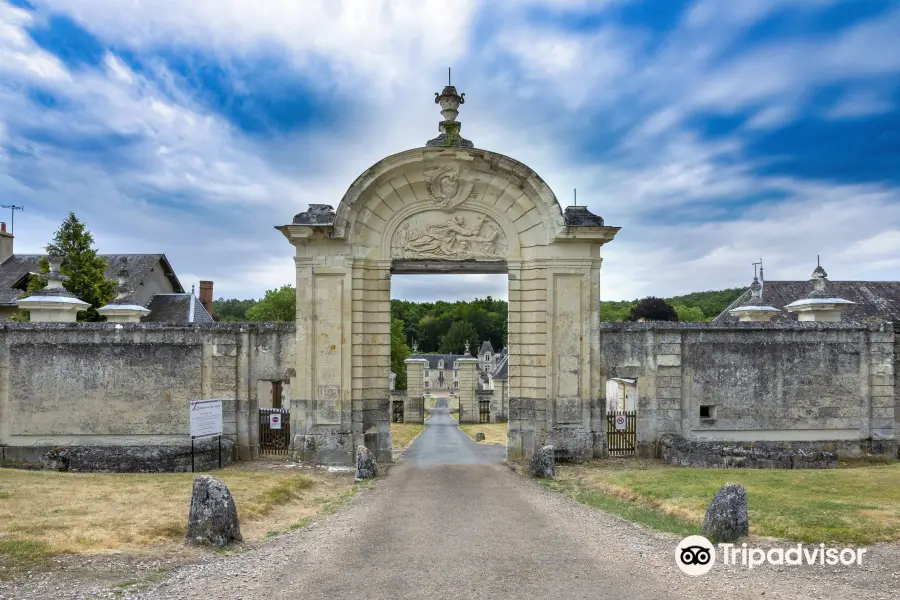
x: 754, y: 309
x: 467, y: 349
x: 122, y: 309
x: 449, y: 100
x: 55, y: 278
x: 54, y: 303
x: 819, y: 305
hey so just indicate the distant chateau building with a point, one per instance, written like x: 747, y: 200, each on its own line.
x: 442, y: 371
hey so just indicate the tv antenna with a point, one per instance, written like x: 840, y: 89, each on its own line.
x: 12, y: 209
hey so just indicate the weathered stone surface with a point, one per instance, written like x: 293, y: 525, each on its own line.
x: 139, y: 459
x: 758, y: 455
x: 479, y: 437
x: 726, y: 518
x: 213, y: 519
x: 543, y: 464
x: 366, y: 466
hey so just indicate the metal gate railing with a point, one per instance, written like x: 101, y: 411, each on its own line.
x: 397, y: 411
x: 484, y: 411
x: 274, y: 430
x: 621, y: 432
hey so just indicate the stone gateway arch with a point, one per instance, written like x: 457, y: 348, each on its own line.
x: 453, y: 208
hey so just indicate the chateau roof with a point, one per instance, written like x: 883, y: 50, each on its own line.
x: 433, y: 359
x: 872, y: 300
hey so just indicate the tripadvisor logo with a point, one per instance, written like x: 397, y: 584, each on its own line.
x: 695, y: 555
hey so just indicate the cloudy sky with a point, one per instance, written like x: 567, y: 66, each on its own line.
x: 714, y: 133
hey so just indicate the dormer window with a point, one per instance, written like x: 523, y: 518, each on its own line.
x: 440, y: 364
x: 487, y: 356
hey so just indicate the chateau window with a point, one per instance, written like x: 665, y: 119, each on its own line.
x: 426, y: 372
x: 487, y: 356
x: 440, y: 364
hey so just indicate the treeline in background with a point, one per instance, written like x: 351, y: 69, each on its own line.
x: 445, y: 326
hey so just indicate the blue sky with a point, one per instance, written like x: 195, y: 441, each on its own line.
x: 712, y: 132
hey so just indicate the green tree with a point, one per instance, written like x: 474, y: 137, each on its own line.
x: 85, y: 270
x: 399, y: 353
x: 277, y: 305
x: 231, y: 310
x: 689, y: 313
x: 460, y: 333
x: 653, y: 309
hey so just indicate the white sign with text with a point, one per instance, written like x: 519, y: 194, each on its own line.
x: 206, y: 418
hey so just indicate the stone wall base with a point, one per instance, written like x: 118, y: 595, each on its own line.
x: 325, y: 445
x: 334, y: 445
x: 676, y: 450
x: 127, y: 459
x: 571, y: 443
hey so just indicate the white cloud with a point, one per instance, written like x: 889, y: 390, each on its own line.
x: 859, y: 104
x: 208, y: 196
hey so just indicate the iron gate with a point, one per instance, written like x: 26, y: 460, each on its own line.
x: 274, y: 433
x: 397, y: 411
x: 621, y: 432
x: 484, y: 411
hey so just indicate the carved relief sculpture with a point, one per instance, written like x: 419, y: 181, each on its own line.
x: 446, y: 188
x: 455, y: 238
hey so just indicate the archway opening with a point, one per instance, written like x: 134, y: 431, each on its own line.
x: 454, y: 327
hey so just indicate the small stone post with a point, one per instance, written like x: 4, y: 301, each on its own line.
x: 468, y: 396
x: 413, y: 406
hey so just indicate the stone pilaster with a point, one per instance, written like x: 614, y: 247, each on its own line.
x: 882, y: 387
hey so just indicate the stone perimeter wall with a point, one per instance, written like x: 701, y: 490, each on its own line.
x: 116, y: 396
x: 785, y: 387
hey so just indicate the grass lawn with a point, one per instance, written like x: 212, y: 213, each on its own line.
x: 402, y: 434
x: 47, y: 513
x: 859, y: 505
x: 494, y: 433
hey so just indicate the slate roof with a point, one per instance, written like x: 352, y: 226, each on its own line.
x: 486, y: 346
x: 873, y: 300
x: 177, y: 309
x: 16, y: 267
x: 434, y: 358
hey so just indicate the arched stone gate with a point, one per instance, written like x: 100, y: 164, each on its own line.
x: 447, y: 208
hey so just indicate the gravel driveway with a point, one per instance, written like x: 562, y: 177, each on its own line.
x: 479, y: 530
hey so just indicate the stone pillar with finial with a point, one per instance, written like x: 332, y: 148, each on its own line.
x: 819, y: 305
x: 122, y: 309
x: 414, y: 405
x: 449, y: 101
x: 53, y: 304
x: 468, y: 387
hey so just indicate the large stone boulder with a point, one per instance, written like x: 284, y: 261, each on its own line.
x: 542, y: 463
x: 366, y: 466
x: 479, y: 437
x: 726, y: 518
x: 213, y: 519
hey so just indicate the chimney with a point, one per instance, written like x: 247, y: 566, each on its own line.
x: 6, y: 243
x: 206, y: 295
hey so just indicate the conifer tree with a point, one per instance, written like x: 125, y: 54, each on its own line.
x: 86, y: 271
